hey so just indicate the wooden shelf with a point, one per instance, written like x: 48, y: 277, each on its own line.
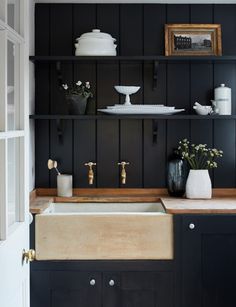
x: 114, y: 117
x: 159, y: 58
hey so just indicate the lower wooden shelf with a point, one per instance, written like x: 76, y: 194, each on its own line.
x: 113, y: 117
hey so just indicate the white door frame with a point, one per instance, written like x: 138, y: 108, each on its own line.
x: 14, y: 277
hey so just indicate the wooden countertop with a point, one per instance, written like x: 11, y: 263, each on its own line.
x: 223, y: 201
x: 216, y: 205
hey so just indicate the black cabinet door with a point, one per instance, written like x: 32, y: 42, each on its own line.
x: 65, y: 289
x: 209, y: 261
x: 138, y: 289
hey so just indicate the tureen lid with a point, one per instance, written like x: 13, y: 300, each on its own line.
x: 96, y: 33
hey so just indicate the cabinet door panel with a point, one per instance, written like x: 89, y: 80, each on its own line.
x: 138, y: 289
x: 65, y: 289
x: 209, y: 253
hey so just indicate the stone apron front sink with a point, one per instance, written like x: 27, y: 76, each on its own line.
x: 93, y: 231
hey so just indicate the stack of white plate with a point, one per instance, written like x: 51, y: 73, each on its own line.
x: 141, y: 109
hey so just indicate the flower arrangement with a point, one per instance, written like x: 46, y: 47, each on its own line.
x: 199, y: 156
x: 79, y: 88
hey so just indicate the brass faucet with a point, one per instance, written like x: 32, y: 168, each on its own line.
x: 123, y: 171
x: 90, y: 172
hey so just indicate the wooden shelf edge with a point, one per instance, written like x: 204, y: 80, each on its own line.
x: 120, y: 117
x: 161, y: 58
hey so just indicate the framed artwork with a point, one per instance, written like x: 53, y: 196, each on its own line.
x: 193, y: 39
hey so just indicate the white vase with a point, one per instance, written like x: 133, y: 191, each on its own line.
x: 198, y: 184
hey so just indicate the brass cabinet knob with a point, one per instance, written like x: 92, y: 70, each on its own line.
x: 29, y: 255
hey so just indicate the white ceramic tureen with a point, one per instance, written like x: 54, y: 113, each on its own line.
x: 95, y: 43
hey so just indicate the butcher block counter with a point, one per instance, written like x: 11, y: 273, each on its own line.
x: 222, y: 202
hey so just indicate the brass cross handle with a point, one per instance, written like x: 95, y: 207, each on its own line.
x: 123, y: 171
x: 90, y: 172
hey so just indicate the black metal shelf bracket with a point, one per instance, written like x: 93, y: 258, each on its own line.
x: 155, y: 74
x: 154, y: 131
x: 59, y: 73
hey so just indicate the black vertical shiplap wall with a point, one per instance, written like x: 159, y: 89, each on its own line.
x: 139, y: 30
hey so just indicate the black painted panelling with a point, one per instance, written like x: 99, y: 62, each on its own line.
x: 154, y: 21
x: 224, y: 139
x: 42, y: 29
x: 42, y: 154
x: 178, y: 90
x: 132, y: 74
x: 201, y: 77
x: 107, y: 78
x: 131, y: 147
x: 42, y: 89
x: 84, y: 151
x: 139, y: 30
x: 157, y: 94
x: 84, y: 19
x: 61, y: 149
x: 225, y: 15
x: 61, y: 29
x: 107, y: 154
x: 176, y: 131
x: 58, y: 104
x: 108, y: 21
x: 201, y: 14
x: 178, y: 13
x: 154, y: 167
x: 42, y: 47
x: 131, y: 25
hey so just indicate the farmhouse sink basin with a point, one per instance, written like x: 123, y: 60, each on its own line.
x: 102, y: 208
x: 86, y: 231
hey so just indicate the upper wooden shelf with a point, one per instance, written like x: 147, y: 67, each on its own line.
x: 160, y: 58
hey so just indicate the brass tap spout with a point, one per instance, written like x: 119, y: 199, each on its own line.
x: 90, y: 172
x: 123, y: 174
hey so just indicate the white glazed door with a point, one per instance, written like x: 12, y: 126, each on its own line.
x: 14, y: 210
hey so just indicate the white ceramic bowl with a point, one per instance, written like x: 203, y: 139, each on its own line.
x: 126, y: 90
x: 203, y: 110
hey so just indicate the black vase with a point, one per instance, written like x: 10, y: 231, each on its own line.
x: 76, y: 104
x: 177, y: 172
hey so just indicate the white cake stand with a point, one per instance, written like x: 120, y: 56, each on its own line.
x: 127, y: 91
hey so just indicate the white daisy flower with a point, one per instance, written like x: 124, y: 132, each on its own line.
x: 65, y: 86
x: 78, y: 83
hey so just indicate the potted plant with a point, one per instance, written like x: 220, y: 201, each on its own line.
x: 77, y: 96
x: 200, y: 160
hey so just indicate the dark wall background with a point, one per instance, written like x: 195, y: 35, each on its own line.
x: 139, y: 29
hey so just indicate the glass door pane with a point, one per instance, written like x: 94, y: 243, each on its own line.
x: 11, y: 86
x: 13, y: 155
x: 13, y: 14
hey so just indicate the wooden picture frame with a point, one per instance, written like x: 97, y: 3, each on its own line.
x: 193, y: 40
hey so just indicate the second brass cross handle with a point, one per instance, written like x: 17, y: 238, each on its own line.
x: 90, y: 172
x: 123, y: 171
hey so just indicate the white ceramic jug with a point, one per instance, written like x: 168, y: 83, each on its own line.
x: 222, y: 100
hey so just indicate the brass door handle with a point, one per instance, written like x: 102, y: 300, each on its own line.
x: 29, y: 255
